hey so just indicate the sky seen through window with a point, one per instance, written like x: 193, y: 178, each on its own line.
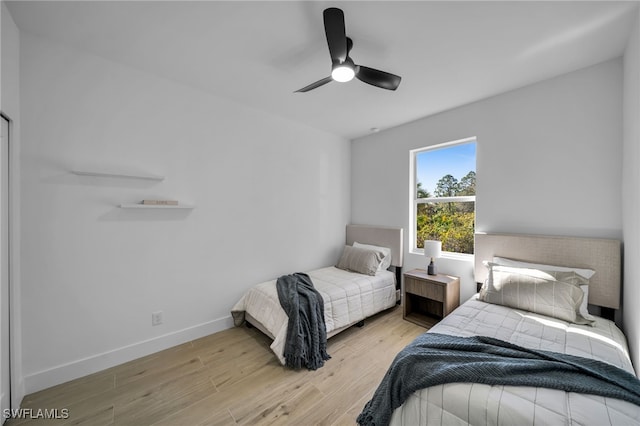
x: 456, y: 160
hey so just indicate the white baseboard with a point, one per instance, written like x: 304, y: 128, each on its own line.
x: 83, y: 367
x: 17, y: 391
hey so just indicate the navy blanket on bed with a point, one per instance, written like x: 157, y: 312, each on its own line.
x: 434, y: 359
x: 306, y: 343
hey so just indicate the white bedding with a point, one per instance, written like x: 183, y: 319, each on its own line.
x: 348, y: 297
x: 478, y: 404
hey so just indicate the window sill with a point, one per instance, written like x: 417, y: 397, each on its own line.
x: 447, y: 255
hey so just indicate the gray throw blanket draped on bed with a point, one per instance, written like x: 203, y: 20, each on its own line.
x: 306, y: 343
x: 434, y: 359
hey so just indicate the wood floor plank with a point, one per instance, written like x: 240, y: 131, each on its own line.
x: 349, y: 417
x: 147, y: 387
x: 218, y: 419
x: 198, y: 413
x: 226, y: 338
x: 344, y: 364
x: 226, y: 374
x: 280, y: 408
x: 223, y: 350
x: 233, y: 377
x: 151, y: 365
x: 74, y: 390
x: 153, y: 410
x: 243, y: 407
x: 330, y: 409
x: 165, y: 398
x: 247, y: 390
x: 159, y: 368
x: 102, y: 417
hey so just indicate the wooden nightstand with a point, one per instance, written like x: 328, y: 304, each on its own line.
x: 427, y: 297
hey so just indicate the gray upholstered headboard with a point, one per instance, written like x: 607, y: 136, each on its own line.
x: 380, y: 236
x: 601, y: 255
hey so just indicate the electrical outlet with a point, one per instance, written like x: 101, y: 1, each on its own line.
x: 156, y: 318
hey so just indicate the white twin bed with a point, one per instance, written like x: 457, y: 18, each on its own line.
x: 480, y: 404
x: 349, y: 297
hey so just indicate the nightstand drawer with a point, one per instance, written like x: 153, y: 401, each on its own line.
x: 429, y: 290
x: 426, y: 297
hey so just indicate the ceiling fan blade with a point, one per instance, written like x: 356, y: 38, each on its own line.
x: 315, y: 85
x: 335, y: 32
x: 378, y: 78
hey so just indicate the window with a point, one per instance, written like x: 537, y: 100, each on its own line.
x: 443, y: 182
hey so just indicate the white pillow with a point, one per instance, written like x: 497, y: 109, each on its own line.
x: 583, y: 272
x: 552, y: 293
x: 386, y: 260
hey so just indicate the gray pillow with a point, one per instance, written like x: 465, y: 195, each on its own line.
x: 386, y: 254
x: 552, y: 293
x: 584, y: 272
x: 363, y: 261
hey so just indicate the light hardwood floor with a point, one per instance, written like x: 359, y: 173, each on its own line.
x: 232, y: 377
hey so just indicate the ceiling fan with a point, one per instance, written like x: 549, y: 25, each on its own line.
x: 343, y: 68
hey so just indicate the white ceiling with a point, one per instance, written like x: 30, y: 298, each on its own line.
x: 259, y: 53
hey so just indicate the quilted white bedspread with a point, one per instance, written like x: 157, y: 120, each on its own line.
x: 478, y: 404
x: 348, y: 298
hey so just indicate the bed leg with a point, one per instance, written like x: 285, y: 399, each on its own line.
x: 360, y: 324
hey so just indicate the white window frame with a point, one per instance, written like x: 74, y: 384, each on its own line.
x: 414, y: 200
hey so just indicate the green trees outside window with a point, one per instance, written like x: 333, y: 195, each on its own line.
x: 448, y: 215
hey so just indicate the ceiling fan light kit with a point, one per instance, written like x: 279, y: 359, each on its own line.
x: 343, y: 68
x: 343, y: 72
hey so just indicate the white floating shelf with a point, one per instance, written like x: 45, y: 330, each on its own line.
x: 118, y: 175
x: 155, y: 206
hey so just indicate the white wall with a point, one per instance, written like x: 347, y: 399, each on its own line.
x: 631, y: 194
x: 10, y: 106
x: 548, y: 162
x: 271, y: 196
